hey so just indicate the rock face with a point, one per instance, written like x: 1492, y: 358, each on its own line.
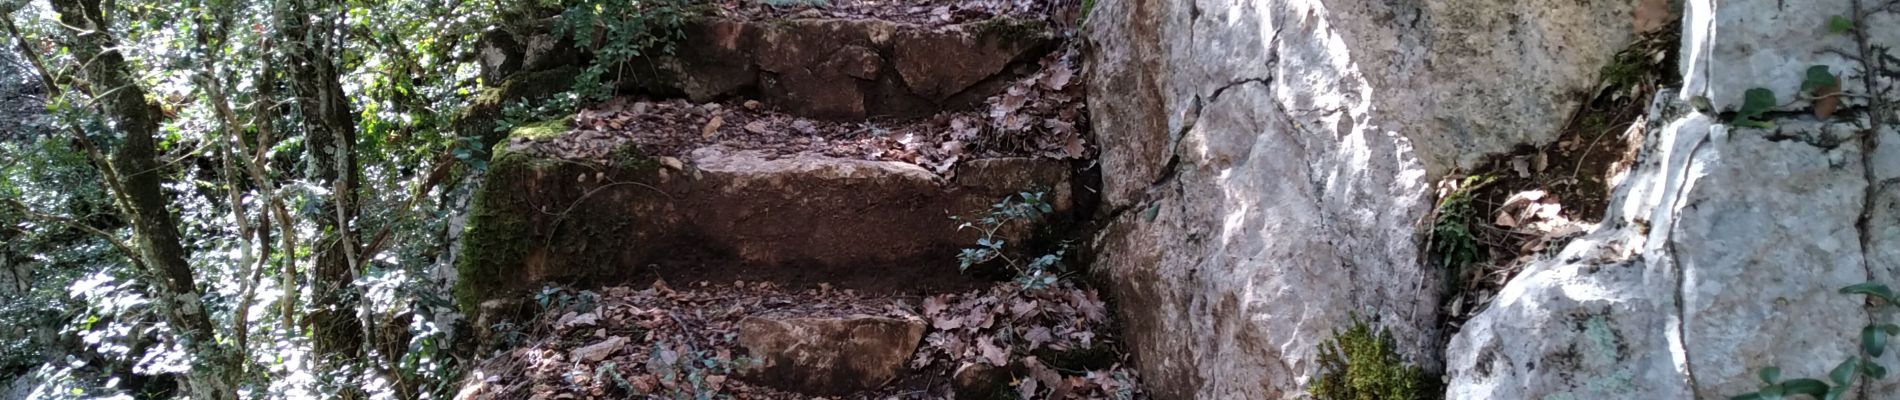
x: 725, y: 214
x: 1723, y: 252
x: 1269, y: 160
x: 828, y: 355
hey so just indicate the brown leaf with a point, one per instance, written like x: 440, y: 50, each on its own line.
x: 1026, y: 389
x: 1020, y: 307
x: 947, y: 323
x: 934, y: 305
x: 1828, y: 99
x: 1057, y: 77
x: 1074, y: 148
x: 1038, y: 336
x: 712, y: 127
x: 993, y: 354
x: 1090, y: 305
x: 599, y: 351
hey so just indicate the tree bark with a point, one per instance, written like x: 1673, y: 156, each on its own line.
x: 312, y: 43
x: 214, y: 373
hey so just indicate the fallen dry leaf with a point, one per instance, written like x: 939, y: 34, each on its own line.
x: 673, y: 162
x: 599, y: 351
x: 712, y: 127
x: 995, y: 355
x: 1828, y: 99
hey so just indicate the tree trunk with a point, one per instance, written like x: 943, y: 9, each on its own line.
x: 312, y: 42
x: 214, y: 372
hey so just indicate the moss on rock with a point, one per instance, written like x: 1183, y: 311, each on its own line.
x: 540, y: 130
x: 498, y: 235
x: 479, y: 119
x: 1359, y: 364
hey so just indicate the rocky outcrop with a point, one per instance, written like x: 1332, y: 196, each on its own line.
x: 1268, y: 163
x: 828, y: 355
x: 1723, y: 252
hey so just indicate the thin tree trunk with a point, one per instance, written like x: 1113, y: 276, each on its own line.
x: 214, y: 373
x: 312, y: 42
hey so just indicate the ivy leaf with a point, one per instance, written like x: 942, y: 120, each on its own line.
x: 1844, y: 374
x: 1810, y: 387
x: 1875, y: 289
x: 1770, y: 375
x: 1837, y: 392
x: 1840, y: 25
x: 1874, y: 370
x: 1755, y: 102
x: 1818, y: 77
x: 1873, y: 341
x: 1773, y: 392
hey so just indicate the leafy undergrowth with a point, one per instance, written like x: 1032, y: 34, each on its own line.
x: 661, y: 342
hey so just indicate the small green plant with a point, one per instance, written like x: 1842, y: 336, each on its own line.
x: 617, y: 33
x: 1451, y: 236
x: 517, y: 114
x: 1840, y: 25
x: 686, y: 373
x: 1360, y: 364
x: 557, y: 299
x: 1021, y: 208
x: 1854, y: 370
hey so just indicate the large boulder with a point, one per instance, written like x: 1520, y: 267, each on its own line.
x: 1267, y: 163
x: 1723, y: 252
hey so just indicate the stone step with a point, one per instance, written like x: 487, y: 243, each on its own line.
x: 643, y: 190
x: 757, y: 340
x: 843, y: 63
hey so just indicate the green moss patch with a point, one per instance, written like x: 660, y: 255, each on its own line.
x: 540, y: 130
x: 498, y: 236
x: 1359, y: 364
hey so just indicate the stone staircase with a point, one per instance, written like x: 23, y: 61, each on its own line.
x: 822, y: 150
